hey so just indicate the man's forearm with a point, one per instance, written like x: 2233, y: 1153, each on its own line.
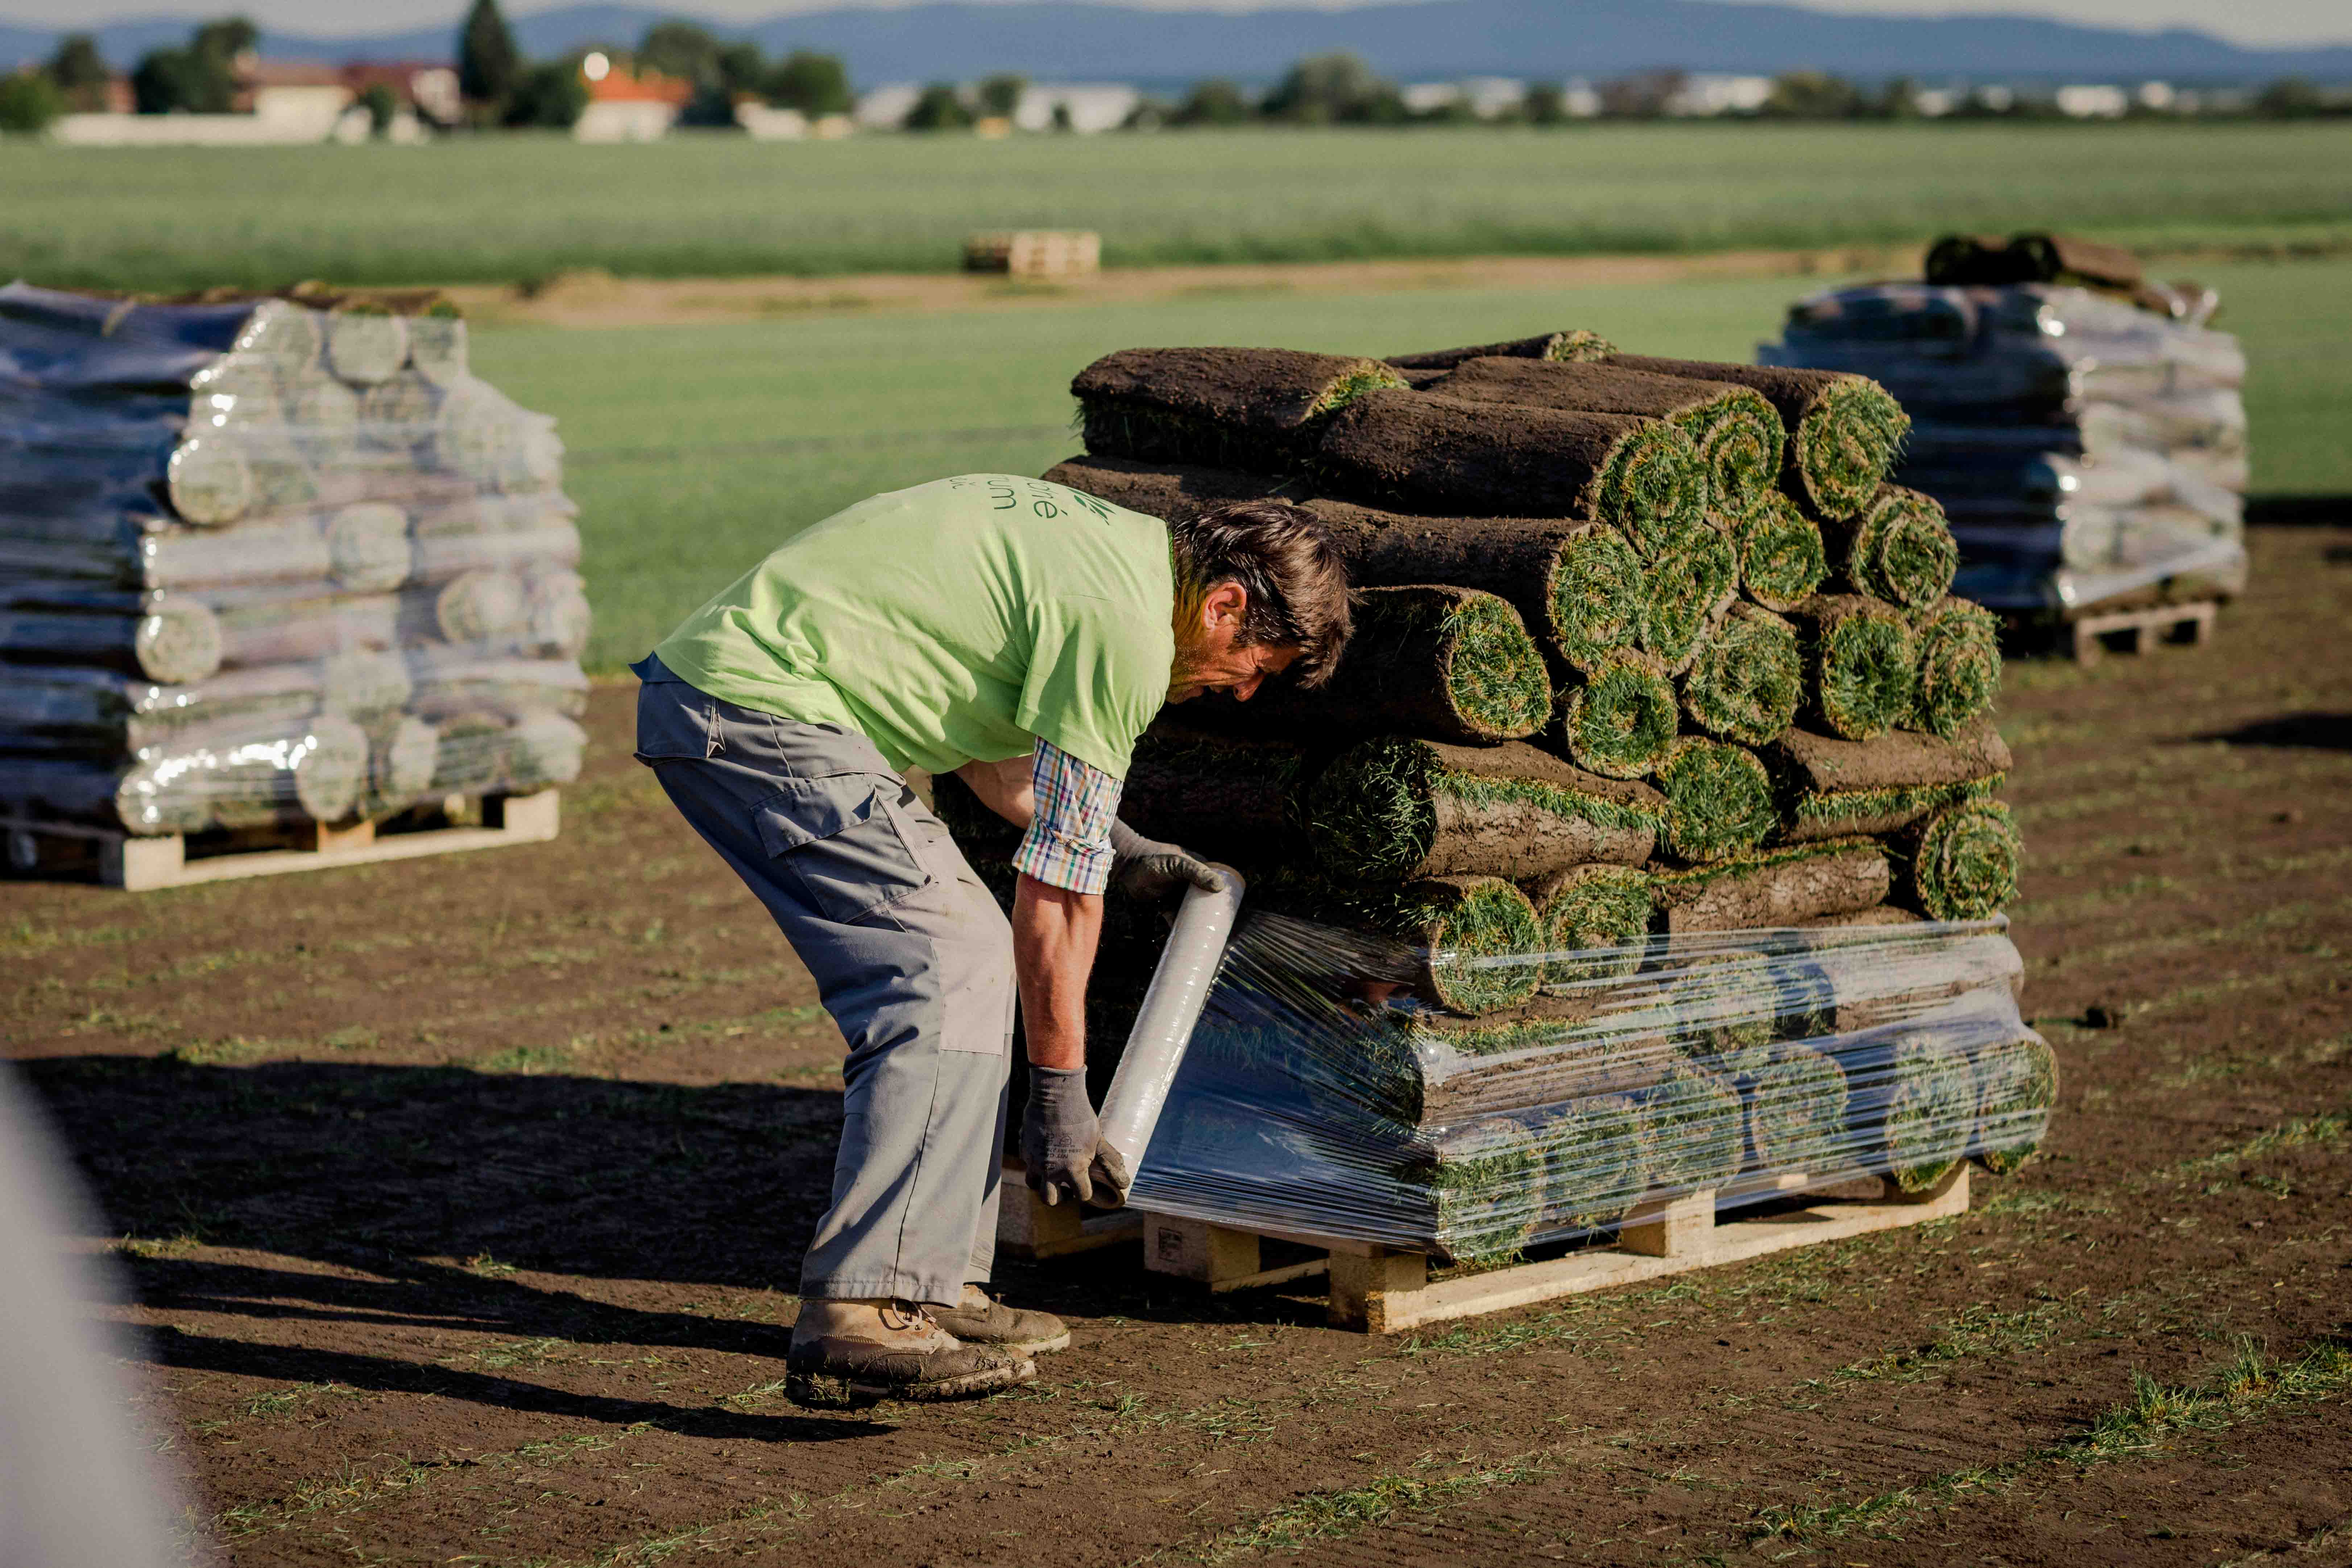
x: 1005, y: 788
x: 1053, y: 936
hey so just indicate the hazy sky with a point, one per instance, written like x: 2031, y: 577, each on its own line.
x: 2254, y: 22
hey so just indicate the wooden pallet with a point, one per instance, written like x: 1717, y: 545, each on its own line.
x: 1027, y: 1227
x: 142, y: 865
x: 1382, y: 1290
x: 2084, y: 639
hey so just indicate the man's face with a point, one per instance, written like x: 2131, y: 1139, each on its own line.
x: 1208, y: 657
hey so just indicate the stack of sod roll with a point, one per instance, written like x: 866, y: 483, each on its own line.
x: 2082, y: 424
x: 1646, y: 650
x: 270, y: 561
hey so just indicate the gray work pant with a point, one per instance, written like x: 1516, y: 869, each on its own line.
x: 912, y: 958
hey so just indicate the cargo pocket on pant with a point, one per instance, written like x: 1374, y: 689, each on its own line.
x: 839, y: 838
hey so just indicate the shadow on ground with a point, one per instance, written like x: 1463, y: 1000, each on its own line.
x: 2321, y: 731
x: 2298, y: 511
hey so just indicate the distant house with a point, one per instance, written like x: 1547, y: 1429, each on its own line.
x: 1704, y: 96
x: 1086, y: 107
x: 426, y: 90
x: 625, y: 105
x: 2092, y: 100
x: 1486, y: 97
x: 277, y: 103
x: 886, y: 108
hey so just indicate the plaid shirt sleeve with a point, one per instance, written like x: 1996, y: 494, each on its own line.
x: 1069, y: 842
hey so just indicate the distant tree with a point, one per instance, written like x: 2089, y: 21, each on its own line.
x: 1339, y: 88
x: 741, y: 69
x: 29, y: 100
x: 550, y: 96
x: 79, y: 72
x: 1897, y: 99
x: 1545, y: 104
x: 680, y: 50
x: 814, y: 84
x: 1213, y: 101
x: 1063, y: 118
x: 1641, y: 96
x: 1812, y: 95
x: 489, y: 67
x: 1000, y: 95
x: 2290, y: 98
x: 166, y: 81
x: 382, y: 105
x: 226, y: 39
x: 940, y: 108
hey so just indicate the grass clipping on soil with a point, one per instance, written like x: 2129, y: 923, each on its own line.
x: 1621, y: 721
x: 1961, y: 864
x: 1747, y: 682
x: 1898, y: 549
x: 1394, y: 809
x: 1960, y: 666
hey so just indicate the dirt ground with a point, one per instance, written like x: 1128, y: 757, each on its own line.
x: 463, y: 1199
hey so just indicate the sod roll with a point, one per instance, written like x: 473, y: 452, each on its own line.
x: 1845, y: 431
x: 1747, y: 680
x: 469, y: 757
x: 1397, y: 809
x: 1737, y: 433
x: 1698, y: 1129
x: 1898, y: 549
x: 1444, y: 454
x: 1595, y: 919
x: 401, y: 753
x: 1915, y: 1106
x: 366, y: 343
x: 1960, y: 666
x: 1718, y: 800
x: 1227, y: 406
x: 1961, y: 863
x: 1174, y: 492
x: 1620, y: 721
x: 1592, y: 1151
x: 1488, y: 1189
x: 1453, y: 664
x: 1575, y: 345
x: 1222, y: 795
x: 1688, y: 584
x: 2017, y: 1089
x: 1831, y: 788
x: 1782, y: 562
x: 171, y: 641
x: 367, y: 547
x: 1862, y: 664
x: 542, y: 750
x: 318, y: 773
x: 1453, y: 922
x: 1773, y: 888
x: 1796, y: 1103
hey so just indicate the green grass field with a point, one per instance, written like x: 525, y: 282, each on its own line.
x: 510, y: 208
x: 693, y: 450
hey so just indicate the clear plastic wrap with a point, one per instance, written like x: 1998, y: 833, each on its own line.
x: 262, y: 561
x: 1321, y: 1095
x: 2084, y: 446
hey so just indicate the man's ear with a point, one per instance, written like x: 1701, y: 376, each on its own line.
x: 1225, y: 602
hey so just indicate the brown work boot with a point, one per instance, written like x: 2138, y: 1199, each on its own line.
x: 978, y: 1320
x: 847, y: 1355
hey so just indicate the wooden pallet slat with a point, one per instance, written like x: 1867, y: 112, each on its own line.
x: 2084, y: 639
x: 1028, y: 1227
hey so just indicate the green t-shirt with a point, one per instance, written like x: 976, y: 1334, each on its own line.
x: 965, y: 619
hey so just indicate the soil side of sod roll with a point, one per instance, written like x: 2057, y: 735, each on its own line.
x: 1453, y: 664
x: 1831, y: 788
x: 1862, y: 664
x: 1397, y: 809
x: 1248, y: 407
x: 1782, y: 562
x: 1737, y: 433
x: 1620, y: 722
x: 1845, y: 431
x: 1747, y: 680
x: 1574, y: 345
x: 1898, y: 547
x: 1771, y: 888
x: 1221, y: 796
x: 1959, y: 664
x: 1447, y: 455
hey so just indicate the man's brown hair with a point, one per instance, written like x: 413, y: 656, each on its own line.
x: 1284, y: 559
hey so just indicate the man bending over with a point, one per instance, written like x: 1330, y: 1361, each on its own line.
x: 1019, y: 635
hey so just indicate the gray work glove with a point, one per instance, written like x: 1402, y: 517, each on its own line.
x: 1059, y: 1134
x: 1151, y: 872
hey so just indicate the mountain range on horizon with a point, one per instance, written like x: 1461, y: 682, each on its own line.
x: 1071, y: 40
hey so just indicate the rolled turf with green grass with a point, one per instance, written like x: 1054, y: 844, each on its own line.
x: 1960, y: 666
x: 1833, y: 788
x: 1765, y: 888
x: 1698, y: 1129
x: 1231, y: 407
x: 1687, y: 587
x: 1594, y: 1172
x: 1897, y: 549
x: 1486, y: 1188
x: 1620, y: 721
x: 1453, y: 923
x: 1746, y: 683
x: 1796, y: 1101
x: 1845, y: 431
x: 1453, y: 664
x: 1961, y: 863
x: 1573, y: 345
x: 2017, y: 1089
x: 1577, y: 586
x: 1452, y: 456
x: 1737, y: 433
x: 1718, y: 800
x: 1914, y: 1106
x: 1862, y: 665
x: 1395, y: 810
x: 1595, y: 919
x: 1782, y: 560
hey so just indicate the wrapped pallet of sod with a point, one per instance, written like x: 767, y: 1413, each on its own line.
x: 1248, y: 408
x: 1782, y: 562
x: 1845, y: 431
x: 1897, y: 549
x: 276, y: 560
x: 1737, y: 433
x: 1453, y: 664
x: 1833, y: 788
x: 1959, y: 664
x: 1446, y: 454
x: 1961, y: 862
x: 1862, y: 664
x: 1620, y: 721
x: 1572, y: 346
x: 1399, y: 809
x: 1746, y: 683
